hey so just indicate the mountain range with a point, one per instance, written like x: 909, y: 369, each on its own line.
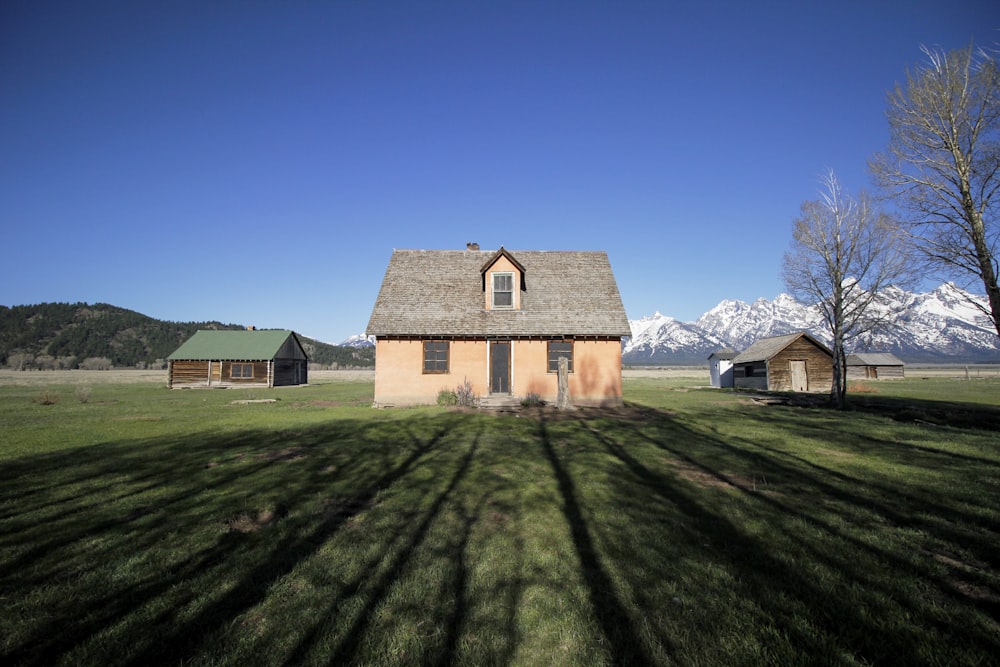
x: 943, y: 325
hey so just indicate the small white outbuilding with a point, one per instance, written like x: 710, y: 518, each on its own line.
x: 720, y: 366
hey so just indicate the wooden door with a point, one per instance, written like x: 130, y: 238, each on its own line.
x: 800, y: 379
x: 499, y: 367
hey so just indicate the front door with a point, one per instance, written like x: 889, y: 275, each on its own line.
x: 499, y: 367
x: 800, y: 380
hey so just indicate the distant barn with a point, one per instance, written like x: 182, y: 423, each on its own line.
x: 269, y: 358
x: 720, y: 367
x: 794, y: 362
x: 874, y: 366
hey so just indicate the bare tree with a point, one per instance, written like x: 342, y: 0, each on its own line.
x: 844, y: 254
x: 943, y: 164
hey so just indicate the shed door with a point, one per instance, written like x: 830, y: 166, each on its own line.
x: 499, y: 367
x: 800, y: 380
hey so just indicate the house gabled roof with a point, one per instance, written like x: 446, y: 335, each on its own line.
x: 502, y: 252
x: 235, y: 345
x: 873, y: 359
x: 725, y: 354
x: 440, y: 293
x: 765, y: 348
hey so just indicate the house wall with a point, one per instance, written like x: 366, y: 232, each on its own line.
x: 721, y: 372
x: 288, y: 372
x: 750, y: 375
x: 874, y: 372
x: 187, y: 373
x: 195, y: 372
x: 400, y: 380
x: 596, y: 378
x: 191, y: 373
x: 399, y: 376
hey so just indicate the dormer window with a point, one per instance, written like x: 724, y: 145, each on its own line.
x: 503, y: 290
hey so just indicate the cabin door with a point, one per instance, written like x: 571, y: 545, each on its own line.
x: 800, y: 380
x: 499, y: 367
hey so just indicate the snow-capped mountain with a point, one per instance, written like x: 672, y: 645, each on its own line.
x: 358, y: 340
x: 660, y: 339
x: 940, y: 325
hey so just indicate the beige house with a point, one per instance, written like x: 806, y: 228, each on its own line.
x: 501, y: 320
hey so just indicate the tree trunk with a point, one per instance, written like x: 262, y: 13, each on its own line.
x: 562, y: 401
x: 984, y: 257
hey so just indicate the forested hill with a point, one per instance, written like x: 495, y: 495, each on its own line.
x: 72, y: 335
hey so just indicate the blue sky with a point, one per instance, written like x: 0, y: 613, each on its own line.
x: 257, y: 162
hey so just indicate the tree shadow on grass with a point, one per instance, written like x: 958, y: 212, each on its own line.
x: 623, y: 643
x: 690, y: 546
x: 812, y: 513
x: 955, y: 414
x: 109, y: 503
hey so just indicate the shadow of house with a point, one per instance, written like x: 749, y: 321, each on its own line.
x: 794, y: 362
x: 251, y: 358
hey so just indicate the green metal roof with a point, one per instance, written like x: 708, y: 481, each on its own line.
x: 234, y: 345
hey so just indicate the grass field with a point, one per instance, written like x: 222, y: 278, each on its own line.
x: 140, y: 525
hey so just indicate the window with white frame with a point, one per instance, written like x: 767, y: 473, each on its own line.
x: 503, y: 290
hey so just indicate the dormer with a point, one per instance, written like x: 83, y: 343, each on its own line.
x: 503, y: 278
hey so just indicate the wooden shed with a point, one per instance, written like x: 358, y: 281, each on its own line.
x: 874, y: 366
x: 267, y: 358
x: 794, y: 362
x: 720, y: 367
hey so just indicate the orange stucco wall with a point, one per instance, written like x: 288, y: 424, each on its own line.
x: 399, y: 377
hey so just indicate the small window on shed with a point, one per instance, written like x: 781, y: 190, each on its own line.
x: 435, y: 356
x: 503, y: 290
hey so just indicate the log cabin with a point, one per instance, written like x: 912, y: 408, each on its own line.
x: 251, y: 358
x: 794, y: 362
x: 500, y: 320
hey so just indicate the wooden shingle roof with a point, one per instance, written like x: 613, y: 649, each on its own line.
x: 232, y: 345
x: 441, y: 293
x: 765, y: 348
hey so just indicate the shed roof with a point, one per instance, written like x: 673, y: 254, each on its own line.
x: 873, y: 359
x: 765, y: 348
x: 725, y: 354
x: 234, y: 345
x: 441, y: 293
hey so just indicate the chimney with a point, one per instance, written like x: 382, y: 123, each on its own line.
x: 472, y: 246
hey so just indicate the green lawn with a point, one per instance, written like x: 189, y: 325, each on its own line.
x: 694, y: 527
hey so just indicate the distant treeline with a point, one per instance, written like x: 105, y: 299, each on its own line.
x: 79, y: 335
